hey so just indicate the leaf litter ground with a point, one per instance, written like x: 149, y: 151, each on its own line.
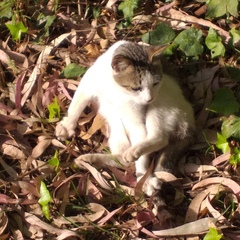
x: 107, y: 203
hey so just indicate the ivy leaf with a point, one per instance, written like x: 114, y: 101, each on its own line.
x: 6, y: 9
x: 96, y: 12
x: 189, y: 42
x: 54, y: 161
x: 73, y: 70
x: 49, y: 21
x: 222, y: 143
x: 234, y: 72
x: 235, y: 158
x: 44, y: 200
x: 224, y: 102
x: 54, y: 109
x: 214, y: 43
x: 231, y: 127
x: 161, y: 35
x: 218, y: 8
x: 16, y: 29
x: 212, y: 234
x: 235, y: 34
x: 128, y: 7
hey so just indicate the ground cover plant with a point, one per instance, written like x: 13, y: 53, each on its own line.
x: 45, y: 48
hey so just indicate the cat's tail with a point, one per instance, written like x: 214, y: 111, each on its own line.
x: 167, y: 160
x: 165, y: 217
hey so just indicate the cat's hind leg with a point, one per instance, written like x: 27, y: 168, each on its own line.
x: 152, y: 183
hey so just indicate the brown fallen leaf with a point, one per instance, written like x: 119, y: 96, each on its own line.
x: 62, y: 233
x: 191, y: 168
x: 86, y: 187
x: 97, y: 124
x: 40, y: 65
x: 12, y: 151
x: 193, y: 228
x: 220, y: 181
x: 43, y: 143
x: 110, y: 216
x: 97, y: 175
x: 92, y: 50
x: 195, y: 205
x: 216, y: 214
x: 221, y: 159
x: 12, y: 173
x: 168, y: 177
x: 3, y: 222
x: 85, y: 218
x: 143, y: 229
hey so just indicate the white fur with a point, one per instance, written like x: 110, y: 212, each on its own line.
x: 139, y: 122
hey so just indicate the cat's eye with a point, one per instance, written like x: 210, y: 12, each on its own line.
x: 156, y: 83
x: 136, y: 89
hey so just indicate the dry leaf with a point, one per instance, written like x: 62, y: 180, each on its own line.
x: 195, y: 205
x: 97, y: 175
x: 194, y: 228
x: 92, y: 50
x: 97, y: 124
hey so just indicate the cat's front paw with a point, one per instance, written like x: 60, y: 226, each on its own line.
x: 151, y: 185
x: 132, y: 154
x: 64, y: 131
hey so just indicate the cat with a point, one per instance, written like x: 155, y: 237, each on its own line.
x: 144, y: 108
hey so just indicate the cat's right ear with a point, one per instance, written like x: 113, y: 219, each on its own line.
x: 120, y: 63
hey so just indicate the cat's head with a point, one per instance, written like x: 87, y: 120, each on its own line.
x: 137, y: 71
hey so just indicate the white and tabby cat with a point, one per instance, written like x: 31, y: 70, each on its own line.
x: 144, y: 109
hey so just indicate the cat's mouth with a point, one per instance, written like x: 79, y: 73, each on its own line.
x: 147, y: 102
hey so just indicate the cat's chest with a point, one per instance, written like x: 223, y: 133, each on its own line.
x: 115, y: 106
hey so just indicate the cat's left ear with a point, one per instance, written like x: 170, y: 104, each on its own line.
x: 120, y: 63
x: 155, y: 51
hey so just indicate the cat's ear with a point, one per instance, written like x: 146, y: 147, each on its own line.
x: 155, y: 51
x: 120, y: 63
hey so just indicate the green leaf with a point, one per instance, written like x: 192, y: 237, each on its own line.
x: 73, y: 70
x: 235, y: 34
x: 6, y: 9
x: 170, y: 49
x: 189, y: 42
x: 46, y: 211
x: 222, y: 143
x: 232, y: 7
x: 43, y: 24
x: 96, y: 12
x: 224, y: 102
x: 128, y: 7
x: 235, y: 158
x: 231, y: 127
x: 214, y: 43
x: 161, y: 35
x: 49, y: 22
x: 16, y: 29
x: 212, y: 234
x: 54, y: 161
x: 44, y: 200
x: 218, y: 8
x: 234, y: 73
x: 54, y: 109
